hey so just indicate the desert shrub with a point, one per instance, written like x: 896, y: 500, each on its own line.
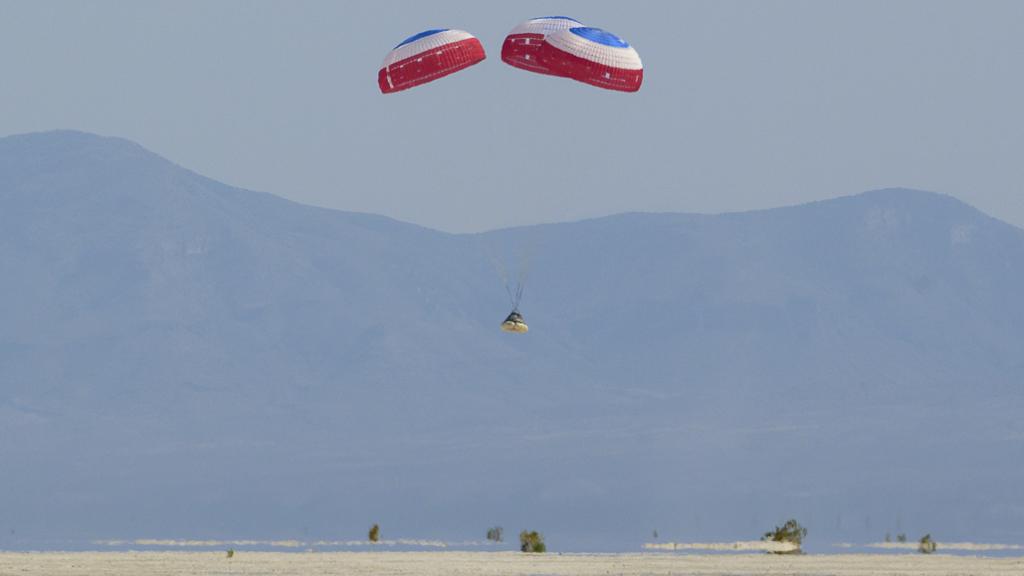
x: 901, y: 537
x: 375, y: 533
x: 231, y: 552
x: 926, y: 545
x: 791, y: 532
x: 496, y: 534
x: 532, y: 542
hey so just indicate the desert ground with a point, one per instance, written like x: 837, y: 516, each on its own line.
x: 490, y: 563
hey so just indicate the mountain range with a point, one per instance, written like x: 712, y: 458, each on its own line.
x: 180, y: 358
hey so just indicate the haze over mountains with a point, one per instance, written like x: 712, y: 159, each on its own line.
x: 180, y: 358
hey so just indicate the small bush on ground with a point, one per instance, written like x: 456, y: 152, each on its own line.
x: 926, y: 545
x: 532, y: 542
x: 791, y: 532
x: 375, y: 533
x: 231, y: 552
x: 496, y: 534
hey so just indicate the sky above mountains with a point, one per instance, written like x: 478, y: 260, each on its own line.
x: 745, y: 105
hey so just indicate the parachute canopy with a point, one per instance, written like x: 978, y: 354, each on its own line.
x: 514, y: 323
x: 523, y: 43
x: 593, y: 56
x: 427, y: 56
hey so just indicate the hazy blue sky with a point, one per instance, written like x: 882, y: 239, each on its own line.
x: 744, y: 104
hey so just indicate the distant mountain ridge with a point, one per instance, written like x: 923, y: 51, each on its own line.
x: 181, y: 358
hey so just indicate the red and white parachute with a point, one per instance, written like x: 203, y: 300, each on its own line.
x: 427, y: 56
x: 523, y: 43
x: 593, y: 56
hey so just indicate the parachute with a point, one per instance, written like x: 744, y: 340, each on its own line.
x: 592, y: 56
x: 523, y: 43
x: 427, y: 56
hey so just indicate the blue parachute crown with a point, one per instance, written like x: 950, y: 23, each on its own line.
x: 600, y: 36
x: 423, y: 34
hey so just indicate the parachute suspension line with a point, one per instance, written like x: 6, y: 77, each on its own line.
x: 520, y: 286
x: 525, y: 259
x: 514, y: 295
x: 514, y: 289
x: 520, y: 283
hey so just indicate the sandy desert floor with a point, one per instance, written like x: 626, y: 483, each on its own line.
x: 489, y: 563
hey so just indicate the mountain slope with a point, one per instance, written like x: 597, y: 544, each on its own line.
x: 183, y: 358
